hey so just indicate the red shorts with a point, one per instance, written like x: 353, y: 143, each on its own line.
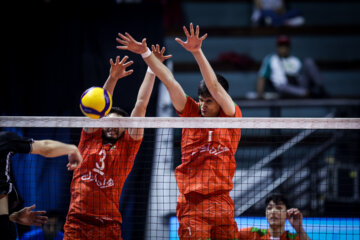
x: 76, y: 229
x: 206, y: 217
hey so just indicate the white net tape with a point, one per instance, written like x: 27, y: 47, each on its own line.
x: 176, y: 122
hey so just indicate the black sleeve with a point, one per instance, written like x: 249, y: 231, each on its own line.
x: 10, y: 141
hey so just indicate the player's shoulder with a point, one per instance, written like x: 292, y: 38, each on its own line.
x: 290, y: 235
x: 252, y: 233
x: 258, y: 231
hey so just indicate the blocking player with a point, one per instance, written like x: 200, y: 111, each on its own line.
x: 109, y: 155
x: 205, y: 177
x: 276, y: 214
x: 10, y: 200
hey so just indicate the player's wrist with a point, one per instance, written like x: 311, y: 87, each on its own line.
x: 146, y: 54
x: 14, y: 217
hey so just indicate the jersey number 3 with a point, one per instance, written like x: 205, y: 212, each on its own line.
x: 101, y: 164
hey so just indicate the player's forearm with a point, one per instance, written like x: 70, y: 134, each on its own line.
x: 144, y: 94
x: 207, y: 72
x: 176, y: 92
x: 110, y: 84
x: 51, y: 148
x: 303, y: 235
x: 160, y: 70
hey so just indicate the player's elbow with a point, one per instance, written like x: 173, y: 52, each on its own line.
x: 44, y: 148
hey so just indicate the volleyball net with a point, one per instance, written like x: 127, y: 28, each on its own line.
x: 313, y: 162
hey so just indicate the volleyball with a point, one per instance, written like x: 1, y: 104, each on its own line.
x: 95, y: 102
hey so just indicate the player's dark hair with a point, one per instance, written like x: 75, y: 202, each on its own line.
x: 277, y: 199
x: 119, y: 111
x: 204, y: 91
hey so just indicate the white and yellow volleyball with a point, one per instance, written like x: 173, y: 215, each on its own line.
x: 95, y: 102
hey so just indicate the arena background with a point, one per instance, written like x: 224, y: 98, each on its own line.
x: 54, y: 50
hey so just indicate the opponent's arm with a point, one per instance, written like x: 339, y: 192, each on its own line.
x: 117, y: 71
x: 51, y: 148
x: 176, y: 92
x: 145, y: 90
x: 28, y: 217
x: 193, y: 45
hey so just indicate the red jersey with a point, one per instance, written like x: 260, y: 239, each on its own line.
x: 208, y: 162
x: 97, y: 184
x: 253, y: 233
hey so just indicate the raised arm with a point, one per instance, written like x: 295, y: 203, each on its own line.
x: 117, y: 71
x: 51, y: 148
x: 145, y: 90
x: 193, y: 45
x: 295, y: 218
x: 176, y: 92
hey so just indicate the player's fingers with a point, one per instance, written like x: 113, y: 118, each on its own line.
x: 128, y: 64
x: 203, y: 37
x: 167, y: 56
x: 153, y: 48
x: 122, y: 47
x: 143, y: 42
x: 191, y: 29
x: 124, y: 59
x: 122, y: 41
x: 117, y: 59
x: 157, y: 48
x: 162, y: 50
x: 31, y: 207
x: 129, y: 72
x: 123, y: 37
x: 186, y: 32
x: 111, y: 62
x: 42, y: 212
x: 197, y: 31
x: 178, y: 40
x: 130, y: 37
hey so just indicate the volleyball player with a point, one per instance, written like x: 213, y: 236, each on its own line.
x: 109, y: 155
x: 204, y: 209
x: 10, y: 200
x: 276, y: 214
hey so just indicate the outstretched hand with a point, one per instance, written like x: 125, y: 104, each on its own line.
x: 295, y: 218
x: 129, y: 43
x: 118, y: 68
x: 75, y: 160
x: 28, y: 217
x: 193, y: 41
x: 160, y: 54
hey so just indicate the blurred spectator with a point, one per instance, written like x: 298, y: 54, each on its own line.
x: 275, y: 13
x: 52, y: 230
x: 277, y: 212
x: 288, y: 75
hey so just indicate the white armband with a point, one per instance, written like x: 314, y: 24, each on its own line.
x: 149, y: 70
x: 146, y: 54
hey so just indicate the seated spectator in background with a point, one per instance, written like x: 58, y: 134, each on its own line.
x: 52, y: 230
x: 276, y: 214
x: 275, y: 13
x: 288, y: 75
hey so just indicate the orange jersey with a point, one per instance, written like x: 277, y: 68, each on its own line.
x: 253, y: 233
x: 97, y: 184
x: 208, y: 162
